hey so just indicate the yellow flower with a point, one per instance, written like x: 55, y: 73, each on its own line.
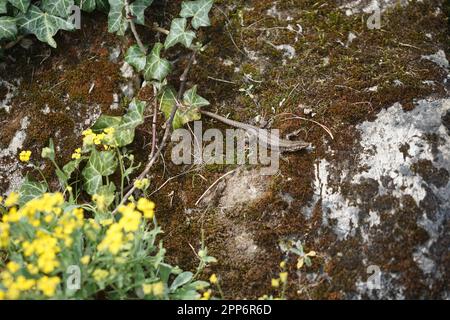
x: 283, y: 277
x: 13, y: 267
x: 130, y: 222
x: 48, y: 285
x: 113, y: 240
x: 25, y: 155
x: 12, y: 199
x: 47, y: 262
x: 147, y: 207
x: 24, y: 284
x: 106, y: 222
x: 32, y: 269
x: 158, y: 289
x: 141, y: 184
x: 206, y: 295
x: 100, y: 201
x: 98, y: 138
x: 85, y: 260
x: 147, y: 288
x: 275, y: 283
x: 100, y: 275
x: 76, y: 155
x: 88, y: 137
x: 283, y: 264
x: 213, y: 278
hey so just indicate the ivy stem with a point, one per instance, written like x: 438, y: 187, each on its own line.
x: 159, y: 29
x: 121, y: 165
x: 133, y: 27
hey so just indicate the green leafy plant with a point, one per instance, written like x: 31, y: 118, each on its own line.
x: 46, y: 235
x: 110, y: 237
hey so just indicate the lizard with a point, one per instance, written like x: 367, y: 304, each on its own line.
x: 283, y: 145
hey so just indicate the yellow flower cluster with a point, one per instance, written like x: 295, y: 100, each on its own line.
x: 142, y: 184
x: 69, y: 222
x: 76, y: 154
x: 100, y: 275
x: 106, y: 137
x: 45, y: 247
x: 16, y: 284
x: 147, y: 207
x: 40, y: 247
x: 119, y: 233
x: 25, y: 155
x: 157, y: 289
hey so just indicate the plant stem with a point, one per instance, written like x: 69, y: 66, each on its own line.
x: 119, y: 155
x: 133, y: 27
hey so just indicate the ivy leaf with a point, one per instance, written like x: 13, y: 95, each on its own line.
x: 156, y: 68
x: 3, y: 6
x: 43, y: 25
x: 59, y: 8
x: 91, y: 5
x: 124, y: 126
x: 86, y: 5
x: 71, y: 166
x: 135, y: 57
x: 102, y: 5
x: 22, y: 5
x: 134, y: 117
x: 184, y: 114
x: 30, y: 190
x: 178, y: 34
x: 192, y: 99
x: 105, y: 121
x: 137, y: 9
x: 100, y: 164
x: 198, y: 10
x: 117, y: 21
x: 8, y: 28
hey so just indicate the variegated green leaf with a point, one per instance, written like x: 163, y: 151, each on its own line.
x: 105, y: 121
x: 30, y: 190
x: 137, y: 9
x: 135, y: 57
x: 8, y: 28
x: 117, y: 21
x: 156, y: 67
x: 59, y: 8
x: 124, y: 133
x: 124, y: 126
x: 178, y: 34
x: 184, y: 114
x: 86, y: 5
x: 192, y: 99
x: 100, y: 164
x: 3, y: 8
x: 71, y: 166
x: 102, y: 5
x: 43, y: 25
x: 22, y: 5
x: 198, y: 10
